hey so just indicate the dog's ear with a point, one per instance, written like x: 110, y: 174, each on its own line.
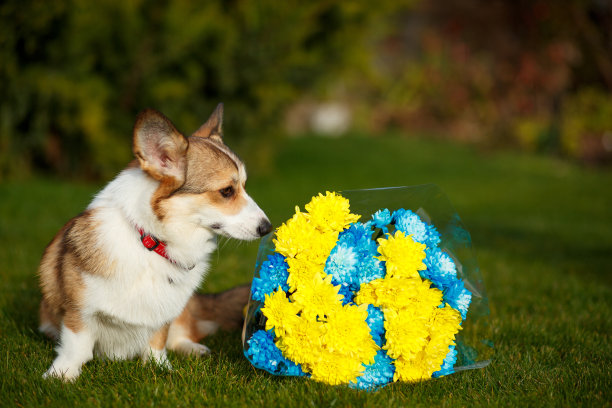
x: 212, y: 127
x: 160, y: 148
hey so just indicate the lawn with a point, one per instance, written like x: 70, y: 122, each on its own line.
x: 542, y: 232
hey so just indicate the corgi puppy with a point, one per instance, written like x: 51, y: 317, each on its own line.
x: 115, y: 277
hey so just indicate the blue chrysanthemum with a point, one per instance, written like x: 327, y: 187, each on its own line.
x: 411, y: 224
x: 370, y: 268
x: 355, y: 243
x: 260, y: 288
x: 433, y: 236
x: 275, y: 269
x: 441, y: 269
x: 376, y: 374
x: 448, y: 364
x: 264, y: 354
x: 458, y: 297
x: 347, y: 293
x: 376, y: 323
x: 272, y: 274
x: 382, y: 218
x: 359, y: 236
x: 341, y: 264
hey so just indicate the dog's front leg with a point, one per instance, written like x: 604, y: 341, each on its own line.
x: 156, y: 351
x: 75, y: 349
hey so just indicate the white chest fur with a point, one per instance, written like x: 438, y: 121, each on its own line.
x: 141, y: 290
x: 144, y: 295
x: 125, y: 312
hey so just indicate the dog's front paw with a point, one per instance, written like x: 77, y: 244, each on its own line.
x: 64, y: 373
x: 158, y: 357
x: 164, y: 363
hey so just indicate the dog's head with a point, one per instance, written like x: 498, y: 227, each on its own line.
x: 201, y: 181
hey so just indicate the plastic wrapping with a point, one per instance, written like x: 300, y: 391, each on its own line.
x: 473, y: 347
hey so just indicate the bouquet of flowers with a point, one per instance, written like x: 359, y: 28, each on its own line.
x: 363, y: 302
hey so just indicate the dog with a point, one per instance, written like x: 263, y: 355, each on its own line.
x: 118, y: 280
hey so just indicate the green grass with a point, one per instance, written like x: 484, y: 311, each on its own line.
x: 542, y: 231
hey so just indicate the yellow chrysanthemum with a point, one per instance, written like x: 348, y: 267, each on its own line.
x: 367, y: 293
x: 318, y: 298
x: 412, y: 318
x: 418, y: 332
x: 443, y: 325
x: 281, y: 314
x: 400, y: 293
x: 330, y: 212
x: 299, y: 239
x: 334, y: 369
x: 406, y: 333
x: 329, y: 340
x: 309, y: 344
x: 318, y: 247
x: 403, y: 256
x: 410, y: 370
x: 302, y: 273
x: 293, y: 236
x: 304, y: 345
x: 334, y: 351
x: 348, y: 334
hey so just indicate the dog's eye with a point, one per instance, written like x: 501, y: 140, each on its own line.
x: 227, y: 192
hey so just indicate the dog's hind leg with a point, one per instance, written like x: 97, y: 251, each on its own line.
x: 186, y: 332
x: 203, y: 315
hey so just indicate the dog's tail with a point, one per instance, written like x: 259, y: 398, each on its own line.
x: 204, y: 315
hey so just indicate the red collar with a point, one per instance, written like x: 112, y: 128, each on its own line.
x: 153, y: 244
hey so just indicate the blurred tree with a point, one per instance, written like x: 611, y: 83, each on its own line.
x: 502, y: 72
x: 76, y: 72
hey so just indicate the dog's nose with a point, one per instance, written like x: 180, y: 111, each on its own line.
x: 264, y: 227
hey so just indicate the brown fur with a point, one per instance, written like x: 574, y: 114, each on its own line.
x: 60, y: 272
x: 226, y: 309
x: 158, y: 341
x: 205, y: 158
x: 162, y: 160
x: 210, y: 161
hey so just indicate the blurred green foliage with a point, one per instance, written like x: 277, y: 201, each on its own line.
x: 74, y: 73
x: 587, y: 119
